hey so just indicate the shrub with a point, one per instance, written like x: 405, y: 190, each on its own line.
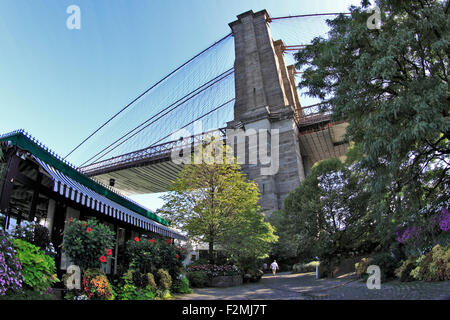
x: 253, y: 275
x: 198, y: 279
x: 87, y: 243
x: 387, y: 264
x: 433, y: 266
x: 213, y: 270
x: 36, y: 234
x: 150, y: 255
x: 11, y: 279
x: 38, y: 269
x: 96, y: 286
x: 305, y: 267
x: 404, y: 271
x: 164, y: 279
x: 181, y: 285
x: 361, y: 267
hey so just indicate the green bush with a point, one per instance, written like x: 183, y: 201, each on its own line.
x: 305, y: 267
x: 136, y: 286
x: 38, y: 269
x: 181, y: 285
x: 198, y: 279
x: 253, y: 275
x: 35, y: 234
x: 164, y: 279
x: 150, y: 255
x: 403, y: 273
x: 433, y: 266
x: 361, y: 267
x: 87, y: 243
x: 387, y: 264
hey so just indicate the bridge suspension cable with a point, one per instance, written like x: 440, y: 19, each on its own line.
x: 146, y: 91
x: 130, y: 134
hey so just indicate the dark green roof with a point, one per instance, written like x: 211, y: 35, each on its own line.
x: 24, y: 141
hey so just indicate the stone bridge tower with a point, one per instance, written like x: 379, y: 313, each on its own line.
x: 266, y: 98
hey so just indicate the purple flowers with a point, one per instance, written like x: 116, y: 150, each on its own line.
x: 406, y: 234
x: 10, y: 276
x: 444, y: 220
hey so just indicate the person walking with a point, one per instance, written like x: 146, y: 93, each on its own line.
x: 274, y: 267
x: 265, y: 267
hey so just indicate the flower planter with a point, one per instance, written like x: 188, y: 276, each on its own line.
x: 226, y: 281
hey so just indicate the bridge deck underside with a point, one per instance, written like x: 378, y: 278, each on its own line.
x: 155, y: 173
x: 324, y: 142
x: 152, y: 178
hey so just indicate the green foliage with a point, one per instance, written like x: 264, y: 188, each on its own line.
x: 328, y: 213
x: 96, y: 285
x: 38, y: 269
x: 198, y: 279
x: 253, y: 274
x: 387, y: 263
x: 136, y: 286
x: 433, y: 266
x: 305, y: 267
x: 361, y: 267
x: 391, y: 87
x: 35, y: 234
x: 150, y: 255
x: 403, y: 273
x: 85, y: 242
x: 208, y: 198
x: 287, y: 246
x: 181, y: 285
x: 163, y: 279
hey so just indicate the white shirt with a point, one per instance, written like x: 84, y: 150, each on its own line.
x: 274, y: 265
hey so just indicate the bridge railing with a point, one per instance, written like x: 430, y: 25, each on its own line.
x: 155, y: 152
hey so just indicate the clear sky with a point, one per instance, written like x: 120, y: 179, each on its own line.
x: 61, y: 84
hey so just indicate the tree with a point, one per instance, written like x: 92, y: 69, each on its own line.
x: 214, y: 203
x: 328, y: 212
x: 391, y: 85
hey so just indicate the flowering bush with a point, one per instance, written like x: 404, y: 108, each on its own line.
x: 403, y: 273
x: 444, y: 220
x: 38, y: 269
x: 96, y: 286
x: 11, y: 278
x: 36, y: 234
x: 433, y: 266
x: 150, y: 255
x: 213, y: 270
x: 87, y: 243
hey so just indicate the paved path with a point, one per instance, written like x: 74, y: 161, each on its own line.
x: 286, y: 286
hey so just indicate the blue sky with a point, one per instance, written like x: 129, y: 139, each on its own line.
x: 61, y: 84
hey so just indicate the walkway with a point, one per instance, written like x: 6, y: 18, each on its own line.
x: 286, y: 286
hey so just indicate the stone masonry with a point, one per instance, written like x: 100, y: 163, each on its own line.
x: 266, y: 98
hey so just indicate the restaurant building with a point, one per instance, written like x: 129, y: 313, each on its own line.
x: 38, y: 185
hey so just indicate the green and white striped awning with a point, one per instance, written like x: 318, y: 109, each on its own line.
x: 79, y: 193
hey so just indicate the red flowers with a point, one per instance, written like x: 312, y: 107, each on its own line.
x: 88, y: 230
x: 70, y: 220
x: 152, y: 241
x: 168, y: 240
x: 109, y: 252
x: 177, y: 256
x: 182, y: 249
x: 137, y: 239
x: 102, y: 259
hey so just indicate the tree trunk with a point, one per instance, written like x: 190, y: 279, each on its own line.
x: 211, y: 251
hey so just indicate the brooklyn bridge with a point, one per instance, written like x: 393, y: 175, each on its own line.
x: 247, y: 81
